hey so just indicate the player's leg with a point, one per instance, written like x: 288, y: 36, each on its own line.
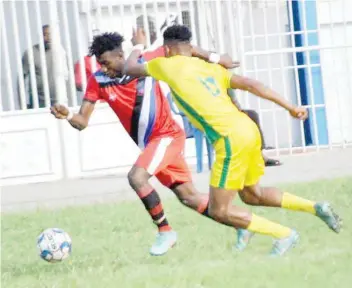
x: 150, y: 162
x: 254, y: 194
x: 177, y: 178
x: 228, y: 176
x: 138, y: 178
x: 274, y: 197
x: 222, y: 210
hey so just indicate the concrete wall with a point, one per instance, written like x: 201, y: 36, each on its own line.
x: 337, y: 67
x: 35, y: 147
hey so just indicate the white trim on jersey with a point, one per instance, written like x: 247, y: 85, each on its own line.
x: 144, y: 116
x: 159, y: 154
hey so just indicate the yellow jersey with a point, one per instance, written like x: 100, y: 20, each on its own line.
x: 199, y: 89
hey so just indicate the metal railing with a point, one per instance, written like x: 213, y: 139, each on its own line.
x: 272, y: 39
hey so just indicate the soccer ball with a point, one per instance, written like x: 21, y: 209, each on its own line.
x: 54, y: 245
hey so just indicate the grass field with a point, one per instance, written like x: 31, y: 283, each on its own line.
x: 111, y: 242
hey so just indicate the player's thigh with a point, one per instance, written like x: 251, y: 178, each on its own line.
x: 160, y: 153
x: 256, y: 167
x: 176, y: 173
x: 230, y: 167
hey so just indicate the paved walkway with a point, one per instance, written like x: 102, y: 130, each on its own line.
x: 297, y: 168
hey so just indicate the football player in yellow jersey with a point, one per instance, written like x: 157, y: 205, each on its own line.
x: 200, y: 90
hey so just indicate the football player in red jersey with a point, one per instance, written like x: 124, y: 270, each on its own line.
x: 144, y: 112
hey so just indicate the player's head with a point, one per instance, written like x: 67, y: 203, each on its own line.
x: 107, y: 48
x: 177, y: 41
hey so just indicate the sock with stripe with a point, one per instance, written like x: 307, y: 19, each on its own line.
x: 293, y: 202
x: 152, y: 204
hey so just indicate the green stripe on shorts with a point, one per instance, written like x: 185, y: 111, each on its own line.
x: 226, y: 165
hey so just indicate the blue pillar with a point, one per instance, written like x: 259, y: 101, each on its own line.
x: 314, y: 58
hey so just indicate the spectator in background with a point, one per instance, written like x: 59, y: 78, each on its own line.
x: 38, y: 72
x: 255, y: 117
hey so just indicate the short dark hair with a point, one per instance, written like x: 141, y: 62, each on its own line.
x: 105, y: 42
x: 178, y: 33
x: 45, y: 27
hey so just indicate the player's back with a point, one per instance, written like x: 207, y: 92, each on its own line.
x: 200, y: 90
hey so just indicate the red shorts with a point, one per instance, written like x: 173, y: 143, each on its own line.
x: 163, y: 158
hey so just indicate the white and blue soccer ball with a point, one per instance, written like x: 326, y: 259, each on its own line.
x: 54, y: 245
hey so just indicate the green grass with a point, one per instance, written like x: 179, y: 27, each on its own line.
x: 111, y: 242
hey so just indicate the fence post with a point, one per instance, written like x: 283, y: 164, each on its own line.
x: 59, y: 77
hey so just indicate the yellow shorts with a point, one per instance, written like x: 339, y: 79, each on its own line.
x: 239, y: 161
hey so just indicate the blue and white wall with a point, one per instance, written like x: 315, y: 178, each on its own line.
x: 303, y: 50
x: 335, y: 23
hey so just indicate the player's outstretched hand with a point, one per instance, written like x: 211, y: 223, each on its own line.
x: 138, y: 37
x: 300, y: 113
x: 59, y: 111
x: 227, y: 62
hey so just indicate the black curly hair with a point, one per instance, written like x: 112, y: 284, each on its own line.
x: 105, y: 42
x: 177, y: 33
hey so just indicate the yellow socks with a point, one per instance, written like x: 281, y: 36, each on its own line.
x: 264, y: 226
x: 296, y: 203
x: 289, y: 201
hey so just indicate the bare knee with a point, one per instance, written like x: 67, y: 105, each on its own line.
x: 251, y: 195
x: 249, y: 198
x: 137, y: 177
x: 218, y: 213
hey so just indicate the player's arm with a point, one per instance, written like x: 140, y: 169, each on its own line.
x: 259, y: 89
x: 79, y: 120
x: 224, y: 60
x: 132, y: 66
x: 154, y: 68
